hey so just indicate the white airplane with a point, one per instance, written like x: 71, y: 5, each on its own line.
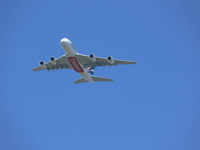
x: 82, y: 64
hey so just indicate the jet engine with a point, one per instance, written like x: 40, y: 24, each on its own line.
x: 42, y: 64
x: 53, y: 60
x: 92, y: 57
x: 110, y: 60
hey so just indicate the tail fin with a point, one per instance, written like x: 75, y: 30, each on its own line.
x: 91, y: 70
x: 82, y: 80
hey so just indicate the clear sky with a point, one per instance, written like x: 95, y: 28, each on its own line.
x: 152, y: 105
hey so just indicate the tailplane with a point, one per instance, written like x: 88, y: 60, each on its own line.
x: 82, y: 80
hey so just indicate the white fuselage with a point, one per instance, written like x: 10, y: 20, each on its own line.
x: 71, y: 57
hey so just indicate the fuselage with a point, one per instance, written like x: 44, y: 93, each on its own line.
x: 71, y: 51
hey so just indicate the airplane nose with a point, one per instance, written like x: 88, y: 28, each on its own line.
x: 64, y: 40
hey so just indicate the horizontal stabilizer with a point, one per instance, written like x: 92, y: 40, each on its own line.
x: 82, y: 80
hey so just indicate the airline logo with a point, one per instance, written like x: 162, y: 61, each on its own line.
x: 75, y: 64
x: 91, y: 70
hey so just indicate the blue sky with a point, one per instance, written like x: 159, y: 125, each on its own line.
x: 151, y: 105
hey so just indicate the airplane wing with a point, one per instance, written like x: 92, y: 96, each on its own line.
x: 59, y: 63
x: 87, y: 62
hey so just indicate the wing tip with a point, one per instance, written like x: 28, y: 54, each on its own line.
x: 132, y: 62
x: 37, y: 69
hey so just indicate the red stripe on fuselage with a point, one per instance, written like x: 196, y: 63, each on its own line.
x: 75, y: 64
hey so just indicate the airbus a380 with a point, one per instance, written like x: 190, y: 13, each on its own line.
x: 82, y: 64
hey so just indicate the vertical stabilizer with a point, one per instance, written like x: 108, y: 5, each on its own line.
x: 91, y: 70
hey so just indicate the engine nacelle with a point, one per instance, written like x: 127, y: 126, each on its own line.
x: 110, y: 60
x: 42, y: 64
x: 92, y: 57
x: 53, y: 60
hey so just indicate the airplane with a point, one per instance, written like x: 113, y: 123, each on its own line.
x: 82, y: 64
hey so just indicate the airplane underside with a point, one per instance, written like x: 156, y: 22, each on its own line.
x: 82, y: 64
